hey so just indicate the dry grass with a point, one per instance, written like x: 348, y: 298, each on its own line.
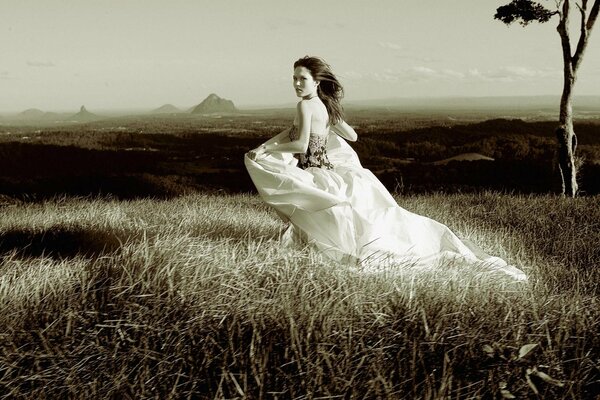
x: 194, y: 298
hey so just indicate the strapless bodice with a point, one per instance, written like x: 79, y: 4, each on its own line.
x: 316, y: 153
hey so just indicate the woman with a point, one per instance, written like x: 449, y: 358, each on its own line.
x: 314, y: 180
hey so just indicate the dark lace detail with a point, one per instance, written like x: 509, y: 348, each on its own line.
x: 316, y: 153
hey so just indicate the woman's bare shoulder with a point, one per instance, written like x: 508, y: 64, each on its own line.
x: 304, y: 108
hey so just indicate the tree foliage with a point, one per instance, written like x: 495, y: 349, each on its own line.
x: 523, y: 11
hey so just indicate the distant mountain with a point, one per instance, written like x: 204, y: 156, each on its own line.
x: 214, y: 104
x: 166, y: 109
x: 84, y: 115
x: 32, y: 113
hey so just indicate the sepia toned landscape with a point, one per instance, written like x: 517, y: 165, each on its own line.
x: 138, y: 260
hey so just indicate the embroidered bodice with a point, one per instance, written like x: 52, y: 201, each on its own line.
x: 316, y: 153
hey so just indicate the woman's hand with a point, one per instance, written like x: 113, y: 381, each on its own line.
x: 257, y: 153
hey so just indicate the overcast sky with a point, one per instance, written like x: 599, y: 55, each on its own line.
x: 59, y: 54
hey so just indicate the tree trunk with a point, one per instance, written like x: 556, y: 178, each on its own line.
x: 567, y: 143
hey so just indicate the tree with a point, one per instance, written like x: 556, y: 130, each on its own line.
x: 526, y: 11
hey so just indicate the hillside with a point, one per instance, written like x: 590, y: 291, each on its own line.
x: 31, y: 114
x: 84, y: 116
x: 166, y: 109
x: 214, y: 104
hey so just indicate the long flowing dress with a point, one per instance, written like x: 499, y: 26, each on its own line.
x: 345, y: 212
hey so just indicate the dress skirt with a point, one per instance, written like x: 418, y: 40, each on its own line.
x: 347, y: 214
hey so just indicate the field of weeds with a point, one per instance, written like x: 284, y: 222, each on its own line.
x: 193, y: 297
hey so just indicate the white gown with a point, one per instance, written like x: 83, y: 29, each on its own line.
x: 347, y: 214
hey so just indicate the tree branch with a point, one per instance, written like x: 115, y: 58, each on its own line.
x: 582, y: 8
x: 582, y: 33
x: 593, y: 15
x: 563, y: 31
x: 586, y: 28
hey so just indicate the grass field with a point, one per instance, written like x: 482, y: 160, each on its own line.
x: 193, y: 297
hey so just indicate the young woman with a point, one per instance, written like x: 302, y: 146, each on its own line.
x: 314, y: 180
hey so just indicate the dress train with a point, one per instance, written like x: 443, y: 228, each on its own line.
x: 347, y: 214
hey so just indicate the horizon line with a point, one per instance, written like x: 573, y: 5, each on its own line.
x: 250, y: 107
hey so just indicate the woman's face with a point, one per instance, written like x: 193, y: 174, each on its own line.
x: 304, y: 84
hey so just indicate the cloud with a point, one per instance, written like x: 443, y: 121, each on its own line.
x: 5, y: 75
x: 420, y: 74
x: 351, y: 75
x: 513, y: 74
x: 36, y: 63
x: 452, y: 74
x: 418, y: 58
x: 385, y: 77
x: 423, y: 70
x: 391, y: 46
x: 406, y: 53
x: 428, y: 74
x: 417, y: 74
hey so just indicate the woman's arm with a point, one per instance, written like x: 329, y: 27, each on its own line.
x: 344, y: 130
x: 285, y: 145
x: 281, y: 137
x: 281, y: 142
x: 299, y: 145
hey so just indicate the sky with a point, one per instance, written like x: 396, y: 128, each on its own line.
x: 57, y: 55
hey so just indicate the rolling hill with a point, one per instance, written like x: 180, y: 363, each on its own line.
x: 166, y: 109
x: 31, y: 113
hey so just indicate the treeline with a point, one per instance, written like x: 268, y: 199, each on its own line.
x: 524, y: 154
x: 500, y: 139
x: 156, y: 165
x: 129, y: 162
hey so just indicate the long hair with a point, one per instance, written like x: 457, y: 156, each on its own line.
x: 330, y: 90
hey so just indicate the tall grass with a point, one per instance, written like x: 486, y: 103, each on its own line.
x: 195, y: 298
